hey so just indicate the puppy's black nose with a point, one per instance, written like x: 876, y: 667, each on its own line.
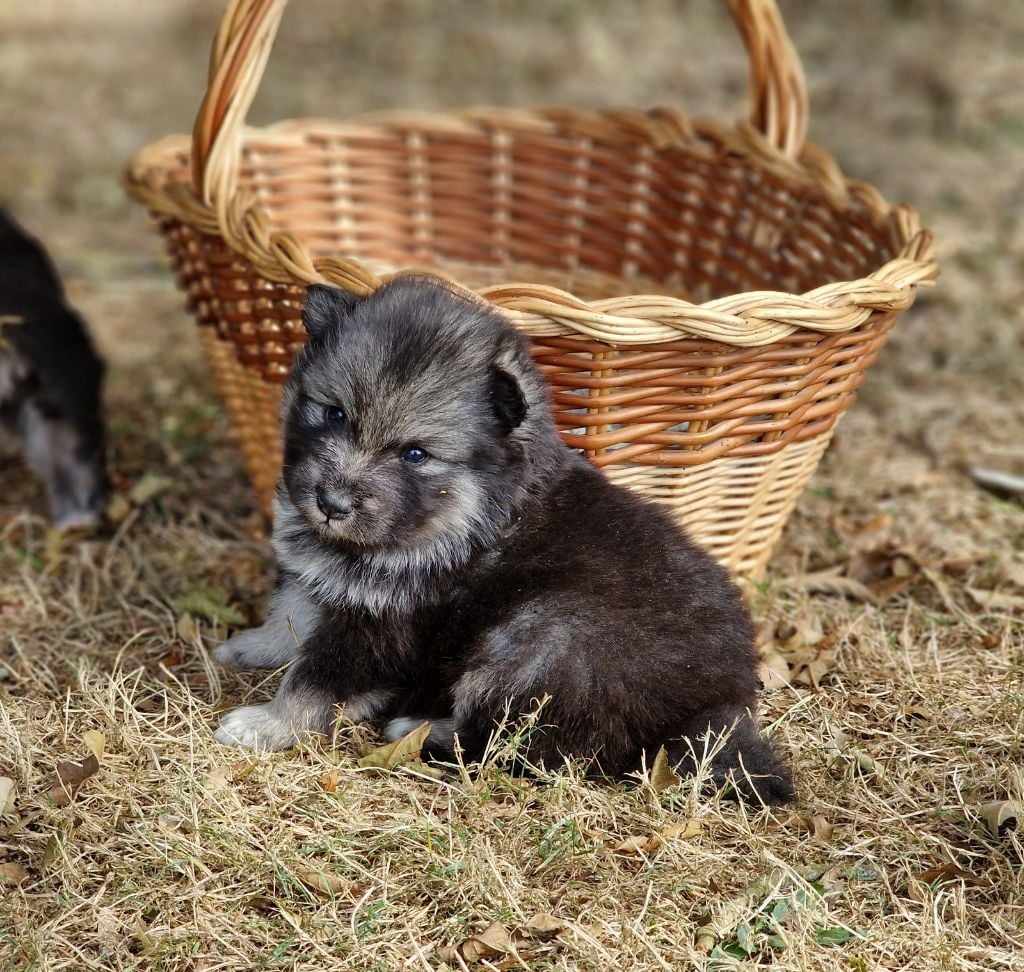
x: 331, y: 503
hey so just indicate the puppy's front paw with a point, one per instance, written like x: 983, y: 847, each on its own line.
x: 255, y: 727
x: 254, y: 649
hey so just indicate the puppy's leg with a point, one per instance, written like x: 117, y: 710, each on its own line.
x: 301, y: 706
x: 291, y: 618
x: 71, y: 469
x: 322, y: 684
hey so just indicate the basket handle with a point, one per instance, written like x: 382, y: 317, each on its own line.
x: 778, y: 93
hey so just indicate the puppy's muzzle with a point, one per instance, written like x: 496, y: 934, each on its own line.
x: 336, y: 504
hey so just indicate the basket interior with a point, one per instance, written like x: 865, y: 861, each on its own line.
x: 598, y: 216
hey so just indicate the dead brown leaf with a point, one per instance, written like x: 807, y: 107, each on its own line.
x: 13, y: 873
x: 773, y: 670
x: 816, y: 825
x: 70, y: 776
x: 890, y: 587
x: 948, y: 871
x: 323, y: 882
x: 662, y: 775
x: 684, y: 830
x: 221, y: 776
x: 400, y: 752
x: 96, y: 741
x: 811, y: 664
x: 639, y: 845
x: 917, y: 712
x: 496, y: 941
x: 329, y: 781
x: 830, y: 581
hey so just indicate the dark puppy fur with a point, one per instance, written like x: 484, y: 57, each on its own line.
x: 443, y: 556
x: 50, y: 381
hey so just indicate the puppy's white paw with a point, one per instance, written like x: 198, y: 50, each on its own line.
x: 254, y: 649
x: 255, y: 727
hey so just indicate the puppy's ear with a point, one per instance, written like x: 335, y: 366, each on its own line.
x: 507, y: 399
x: 324, y: 309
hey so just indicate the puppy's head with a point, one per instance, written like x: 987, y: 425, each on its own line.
x: 415, y: 420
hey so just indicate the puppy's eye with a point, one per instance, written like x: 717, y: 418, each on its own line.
x: 414, y: 454
x: 334, y: 415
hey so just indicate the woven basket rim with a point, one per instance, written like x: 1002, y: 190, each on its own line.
x: 745, y: 319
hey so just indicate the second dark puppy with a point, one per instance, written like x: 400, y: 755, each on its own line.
x: 443, y: 556
x: 50, y: 381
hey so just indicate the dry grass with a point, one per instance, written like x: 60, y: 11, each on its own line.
x: 179, y: 854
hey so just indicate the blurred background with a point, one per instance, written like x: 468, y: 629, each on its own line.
x: 923, y: 98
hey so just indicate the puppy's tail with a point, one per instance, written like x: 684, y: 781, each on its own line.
x: 741, y: 757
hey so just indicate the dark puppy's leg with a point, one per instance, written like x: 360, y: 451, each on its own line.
x: 291, y: 619
x: 745, y: 759
x: 325, y: 677
x: 71, y: 470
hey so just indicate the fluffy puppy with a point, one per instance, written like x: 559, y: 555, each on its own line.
x: 50, y: 381
x: 443, y: 556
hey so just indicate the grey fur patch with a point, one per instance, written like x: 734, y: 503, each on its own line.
x: 291, y: 618
x: 13, y: 370
x: 362, y: 708
x: 512, y: 663
x: 442, y: 731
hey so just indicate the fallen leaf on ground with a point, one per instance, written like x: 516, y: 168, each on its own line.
x: 329, y: 781
x: 817, y: 825
x: 493, y: 941
x: 96, y: 742
x: 401, y: 751
x: 322, y: 882
x: 662, y: 775
x: 683, y: 830
x: 496, y: 941
x: 948, y: 871
x: 811, y: 664
x: 70, y: 776
x: 830, y: 581
x: 187, y: 628
x: 1002, y: 814
x: 917, y: 712
x: 118, y: 508
x: 171, y: 660
x: 773, y: 670
x: 890, y: 587
x: 210, y: 603
x: 221, y: 776
x: 13, y: 873
x: 8, y: 793
x: 149, y: 487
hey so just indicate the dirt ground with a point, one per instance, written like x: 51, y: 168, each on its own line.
x: 898, y: 687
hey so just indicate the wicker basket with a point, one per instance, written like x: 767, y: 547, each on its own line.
x: 704, y: 299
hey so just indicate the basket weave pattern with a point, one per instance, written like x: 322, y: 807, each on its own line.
x: 703, y: 299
